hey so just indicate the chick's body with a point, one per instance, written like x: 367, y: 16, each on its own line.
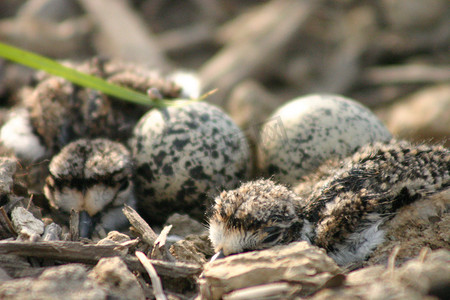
x: 94, y: 176
x: 345, y: 208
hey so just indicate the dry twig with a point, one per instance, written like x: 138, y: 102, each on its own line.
x: 160, y: 250
x: 148, y: 235
x: 156, y: 282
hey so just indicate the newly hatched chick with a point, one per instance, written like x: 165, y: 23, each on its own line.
x: 258, y: 215
x: 58, y: 112
x: 93, y: 177
x: 347, y: 211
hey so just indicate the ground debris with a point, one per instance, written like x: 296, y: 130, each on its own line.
x: 194, y: 249
x: 63, y: 282
x: 389, y: 55
x: 28, y: 227
x: 183, y: 225
x: 52, y: 232
x: 298, y: 263
x: 427, y: 275
x: 147, y: 233
x: 116, y: 280
x: 432, y: 103
x: 7, y: 170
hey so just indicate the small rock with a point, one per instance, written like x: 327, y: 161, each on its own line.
x: 7, y: 170
x: 114, y: 238
x: 298, y: 263
x: 52, y: 232
x: 63, y: 282
x: 183, y: 225
x: 194, y: 249
x: 13, y: 265
x: 432, y: 105
x: 114, y: 277
x: 26, y: 224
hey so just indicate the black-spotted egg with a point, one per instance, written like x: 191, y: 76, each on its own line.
x: 307, y: 131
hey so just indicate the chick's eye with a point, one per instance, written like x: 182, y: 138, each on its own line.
x: 271, y: 238
x: 273, y: 234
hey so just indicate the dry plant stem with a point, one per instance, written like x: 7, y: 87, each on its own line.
x: 148, y: 235
x: 423, y: 254
x: 124, y: 34
x: 391, y: 259
x: 161, y: 240
x: 156, y: 282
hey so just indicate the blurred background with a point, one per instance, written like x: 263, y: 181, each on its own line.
x: 391, y: 55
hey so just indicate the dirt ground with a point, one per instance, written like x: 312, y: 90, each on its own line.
x: 390, y: 55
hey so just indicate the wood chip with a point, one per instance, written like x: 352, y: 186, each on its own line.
x: 26, y: 224
x: 160, y: 250
x: 74, y: 223
x: 147, y: 233
x: 298, y: 263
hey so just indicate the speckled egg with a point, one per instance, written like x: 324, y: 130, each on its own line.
x: 185, y: 155
x: 307, y: 131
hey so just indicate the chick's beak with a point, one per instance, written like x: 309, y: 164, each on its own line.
x: 86, y: 225
x: 218, y: 255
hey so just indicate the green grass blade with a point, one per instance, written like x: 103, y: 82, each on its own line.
x: 36, y: 61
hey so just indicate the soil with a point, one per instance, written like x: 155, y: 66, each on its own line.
x: 391, y: 56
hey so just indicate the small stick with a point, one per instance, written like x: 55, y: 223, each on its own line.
x: 156, y: 282
x: 391, y: 259
x: 423, y: 254
x: 148, y: 235
x: 6, y: 221
x: 30, y: 201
